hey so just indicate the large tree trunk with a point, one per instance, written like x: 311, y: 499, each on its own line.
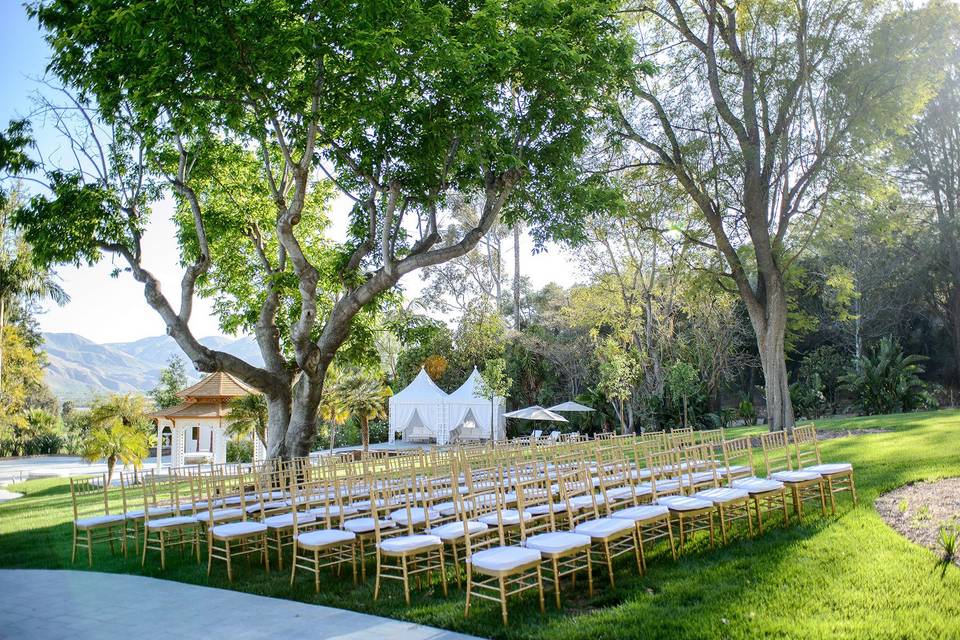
x: 365, y: 432
x: 516, y: 276
x: 278, y: 419
x: 770, y: 344
x: 303, y: 417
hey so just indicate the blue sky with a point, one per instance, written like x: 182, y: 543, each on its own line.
x: 106, y: 309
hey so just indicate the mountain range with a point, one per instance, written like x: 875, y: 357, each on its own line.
x: 79, y: 369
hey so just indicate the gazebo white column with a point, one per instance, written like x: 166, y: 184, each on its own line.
x: 259, y: 451
x: 219, y: 445
x: 178, y: 446
x: 159, y: 446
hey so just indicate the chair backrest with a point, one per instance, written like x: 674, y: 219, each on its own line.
x: 665, y: 470
x: 700, y: 466
x: 90, y: 496
x: 682, y: 437
x: 776, y: 452
x: 534, y: 491
x: 710, y: 436
x: 576, y: 483
x: 806, y: 446
x: 130, y: 482
x: 737, y: 458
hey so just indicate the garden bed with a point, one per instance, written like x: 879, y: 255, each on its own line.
x: 918, y: 511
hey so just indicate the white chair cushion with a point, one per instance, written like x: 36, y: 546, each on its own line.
x: 557, y: 541
x: 698, y: 477
x: 830, y: 468
x: 366, y: 525
x: 334, y: 511
x: 722, y: 495
x: 583, y: 502
x: 620, y: 493
x: 246, y: 528
x: 508, y: 516
x: 98, y: 521
x: 454, y: 530
x: 417, y: 542
x: 543, y: 509
x: 268, y: 506
x: 603, y: 527
x: 324, y: 537
x: 664, y: 486
x: 153, y: 511
x: 503, y: 558
x: 684, y: 503
x: 418, y: 515
x: 285, y: 520
x: 643, y: 513
x: 795, y: 476
x: 173, y: 521
x: 640, y: 474
x: 757, y: 485
x: 219, y: 514
x: 733, y: 470
x: 445, y: 508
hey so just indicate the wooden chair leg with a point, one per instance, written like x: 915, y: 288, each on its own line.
x: 227, y: 553
x: 73, y: 552
x: 503, y: 601
x: 540, y: 587
x: 89, y: 547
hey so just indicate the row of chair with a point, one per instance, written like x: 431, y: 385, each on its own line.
x: 505, y: 519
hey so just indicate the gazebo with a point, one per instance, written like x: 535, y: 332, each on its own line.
x: 198, y: 424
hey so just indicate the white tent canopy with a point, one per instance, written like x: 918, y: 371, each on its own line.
x: 468, y: 400
x: 423, y: 398
x: 440, y: 412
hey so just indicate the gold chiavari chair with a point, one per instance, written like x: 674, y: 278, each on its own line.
x: 610, y: 537
x: 178, y: 529
x: 651, y: 521
x: 768, y: 495
x: 280, y: 520
x: 731, y: 504
x: 564, y: 553
x: 227, y: 539
x: 92, y: 521
x: 401, y: 552
x: 133, y: 515
x: 838, y: 475
x: 317, y: 542
x: 495, y: 571
x: 673, y: 475
x: 804, y: 485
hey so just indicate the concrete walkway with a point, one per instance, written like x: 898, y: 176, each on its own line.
x: 48, y: 605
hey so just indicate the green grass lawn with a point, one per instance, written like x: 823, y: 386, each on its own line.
x: 846, y: 576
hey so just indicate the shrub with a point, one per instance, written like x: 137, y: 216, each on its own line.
x: 239, y: 451
x: 747, y: 412
x: 885, y: 380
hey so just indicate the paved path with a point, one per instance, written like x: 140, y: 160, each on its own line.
x: 81, y: 605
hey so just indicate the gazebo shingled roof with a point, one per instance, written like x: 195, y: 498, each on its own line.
x: 217, y: 385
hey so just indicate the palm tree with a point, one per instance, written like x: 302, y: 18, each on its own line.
x: 362, y: 393
x: 113, y: 440
x: 248, y: 414
x: 129, y: 408
x: 333, y: 412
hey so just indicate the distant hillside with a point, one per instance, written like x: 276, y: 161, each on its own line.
x: 80, y: 369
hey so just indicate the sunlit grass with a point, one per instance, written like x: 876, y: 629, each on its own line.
x: 849, y: 576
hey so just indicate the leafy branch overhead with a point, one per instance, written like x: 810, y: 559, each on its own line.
x: 255, y: 117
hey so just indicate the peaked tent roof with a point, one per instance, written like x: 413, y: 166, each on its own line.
x: 422, y: 389
x: 470, y: 389
x: 217, y: 385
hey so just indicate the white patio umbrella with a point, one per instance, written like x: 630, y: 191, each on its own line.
x: 570, y: 405
x: 536, y: 412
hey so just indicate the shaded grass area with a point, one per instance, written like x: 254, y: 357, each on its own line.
x: 845, y: 576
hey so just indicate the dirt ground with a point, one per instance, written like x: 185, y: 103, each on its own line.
x: 918, y: 511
